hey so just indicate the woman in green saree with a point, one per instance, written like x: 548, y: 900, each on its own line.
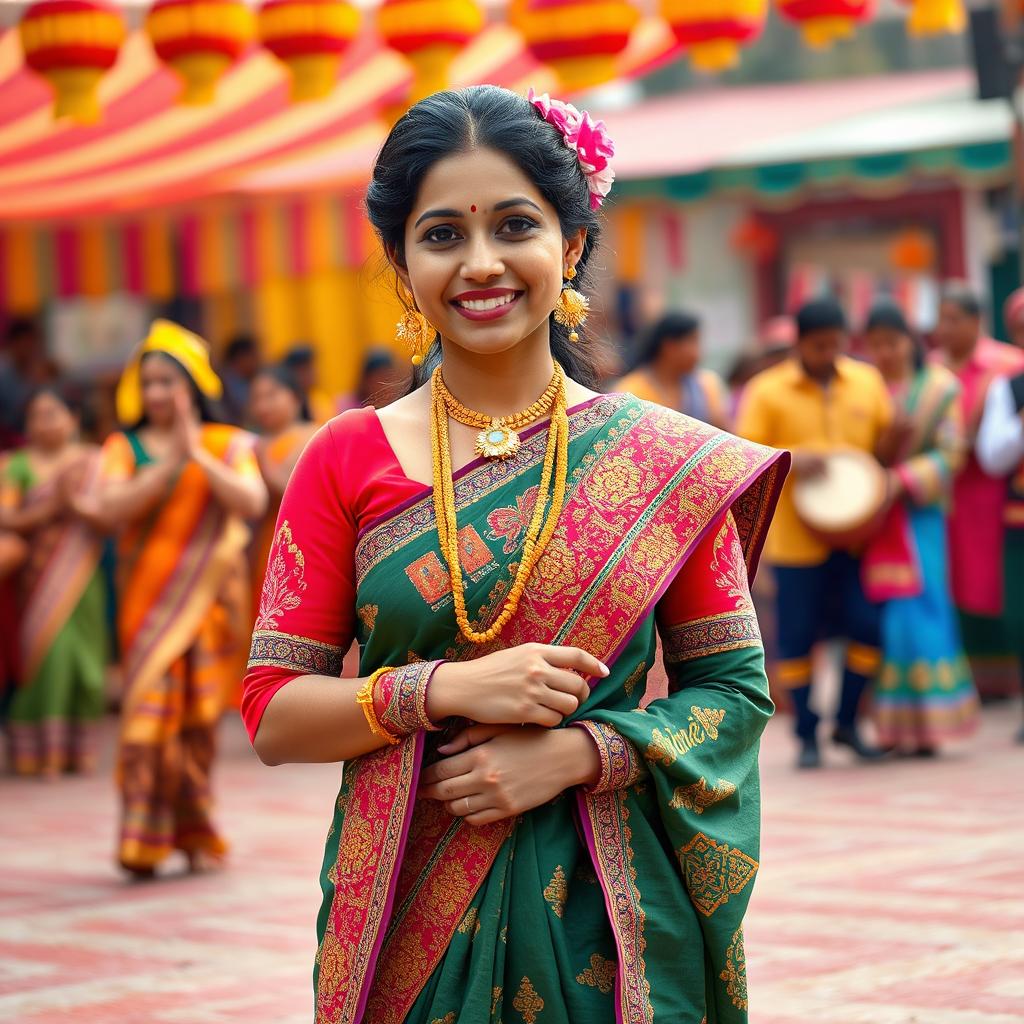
x: 522, y: 832
x: 63, y: 632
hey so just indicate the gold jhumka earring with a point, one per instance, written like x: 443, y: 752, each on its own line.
x: 572, y: 307
x: 414, y: 330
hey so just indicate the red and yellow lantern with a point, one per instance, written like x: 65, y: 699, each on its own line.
x: 72, y: 44
x: 936, y: 17
x: 714, y: 30
x: 578, y: 39
x: 822, y: 22
x: 200, y: 40
x: 309, y: 37
x: 429, y: 34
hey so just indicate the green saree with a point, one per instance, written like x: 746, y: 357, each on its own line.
x: 622, y: 903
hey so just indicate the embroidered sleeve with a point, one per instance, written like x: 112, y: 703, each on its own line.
x: 621, y: 763
x: 708, y: 608
x: 306, y: 618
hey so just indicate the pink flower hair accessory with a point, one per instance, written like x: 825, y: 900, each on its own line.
x: 586, y: 137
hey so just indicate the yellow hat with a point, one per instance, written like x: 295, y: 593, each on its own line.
x: 187, y: 348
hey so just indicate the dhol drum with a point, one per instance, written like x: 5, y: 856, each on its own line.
x: 844, y: 506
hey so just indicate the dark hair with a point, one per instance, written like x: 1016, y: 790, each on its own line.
x: 961, y: 294
x: 484, y: 116
x: 67, y: 395
x: 283, y: 375
x: 209, y: 409
x: 820, y: 315
x: 680, y: 323
x: 299, y: 355
x: 21, y: 327
x: 240, y: 345
x: 886, y: 313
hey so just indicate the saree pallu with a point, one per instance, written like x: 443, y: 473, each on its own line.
x: 621, y: 904
x: 924, y: 693
x: 180, y: 615
x: 62, y: 636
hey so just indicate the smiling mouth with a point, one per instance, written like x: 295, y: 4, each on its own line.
x: 483, y: 305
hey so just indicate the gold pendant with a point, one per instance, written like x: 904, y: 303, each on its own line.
x: 497, y: 442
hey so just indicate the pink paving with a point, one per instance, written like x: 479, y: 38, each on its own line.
x: 888, y: 895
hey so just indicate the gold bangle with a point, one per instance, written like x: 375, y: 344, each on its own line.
x: 365, y: 700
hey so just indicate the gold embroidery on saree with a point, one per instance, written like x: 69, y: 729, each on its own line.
x: 470, y: 923
x: 638, y: 675
x: 714, y: 872
x: 735, y: 973
x: 669, y: 744
x: 697, y: 797
x: 284, y: 582
x: 556, y: 892
x: 711, y: 634
x: 368, y: 615
x: 448, y: 1018
x: 300, y: 653
x: 600, y: 974
x: 495, y: 999
x: 528, y: 1002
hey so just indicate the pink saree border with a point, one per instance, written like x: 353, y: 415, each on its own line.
x: 436, y: 903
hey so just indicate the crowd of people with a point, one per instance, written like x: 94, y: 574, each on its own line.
x: 930, y: 606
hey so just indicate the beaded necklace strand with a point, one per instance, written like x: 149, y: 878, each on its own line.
x: 541, y: 529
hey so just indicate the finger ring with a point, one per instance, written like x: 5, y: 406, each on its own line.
x: 465, y: 800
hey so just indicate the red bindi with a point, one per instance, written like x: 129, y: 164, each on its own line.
x: 472, y: 209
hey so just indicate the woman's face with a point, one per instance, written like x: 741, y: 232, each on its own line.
x: 49, y: 423
x: 272, y: 406
x: 484, y: 253
x: 164, y: 387
x: 891, y: 350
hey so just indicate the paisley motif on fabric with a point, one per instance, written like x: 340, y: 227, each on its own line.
x: 527, y: 1002
x: 284, y: 581
x: 600, y: 974
x: 556, y: 892
x: 714, y: 872
x: 510, y: 522
x: 698, y: 797
x: 735, y: 973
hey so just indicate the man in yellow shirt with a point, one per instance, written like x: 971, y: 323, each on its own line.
x: 817, y: 401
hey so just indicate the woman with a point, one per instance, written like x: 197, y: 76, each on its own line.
x: 63, y: 631
x: 666, y: 371
x: 924, y: 694
x: 278, y: 408
x: 471, y: 868
x: 177, y: 487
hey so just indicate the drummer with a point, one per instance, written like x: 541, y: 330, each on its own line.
x: 819, y: 400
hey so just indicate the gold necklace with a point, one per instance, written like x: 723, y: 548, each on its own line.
x: 541, y: 528
x: 498, y: 437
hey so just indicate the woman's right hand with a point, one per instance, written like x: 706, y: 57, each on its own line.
x: 533, y: 684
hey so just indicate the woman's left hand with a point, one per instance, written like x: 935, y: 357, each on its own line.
x: 492, y: 772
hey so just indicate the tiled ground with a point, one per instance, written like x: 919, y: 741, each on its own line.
x: 888, y: 895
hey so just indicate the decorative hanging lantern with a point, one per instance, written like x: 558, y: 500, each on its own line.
x: 578, y: 39
x: 200, y: 40
x: 72, y: 43
x: 822, y: 22
x: 309, y: 37
x: 429, y: 33
x: 714, y: 30
x: 936, y: 17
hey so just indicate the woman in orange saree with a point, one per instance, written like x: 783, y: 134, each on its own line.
x: 177, y: 489
x: 63, y: 630
x: 523, y: 833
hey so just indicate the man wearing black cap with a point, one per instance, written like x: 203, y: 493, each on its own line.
x: 818, y: 401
